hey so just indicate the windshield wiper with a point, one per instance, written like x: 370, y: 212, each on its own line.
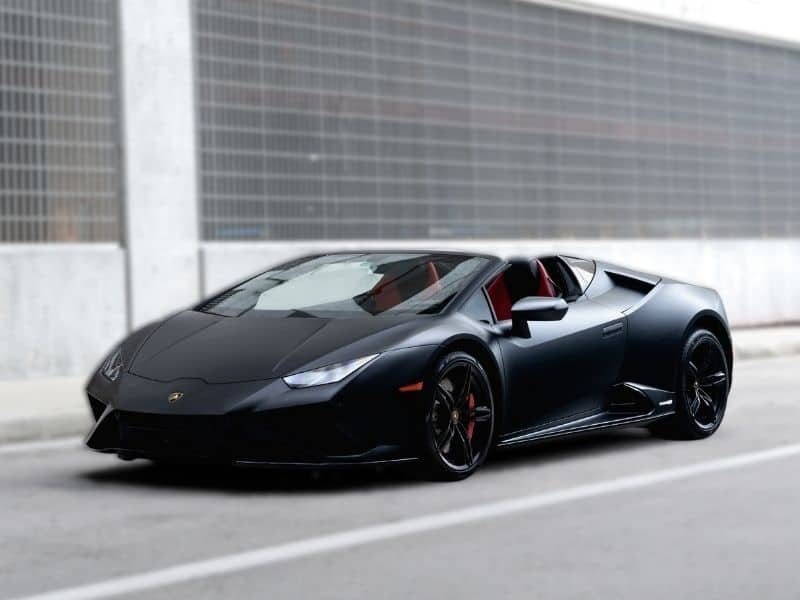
x: 296, y: 312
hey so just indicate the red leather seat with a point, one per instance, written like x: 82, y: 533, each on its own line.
x: 535, y: 282
x: 544, y: 285
x: 500, y: 298
x: 432, y: 283
x: 387, y: 292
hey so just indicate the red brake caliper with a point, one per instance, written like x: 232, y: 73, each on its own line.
x: 471, y: 408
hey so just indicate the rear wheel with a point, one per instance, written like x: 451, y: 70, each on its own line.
x: 701, y: 390
x: 459, y: 419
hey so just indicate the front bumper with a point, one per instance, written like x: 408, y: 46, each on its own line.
x: 293, y: 437
x: 362, y: 420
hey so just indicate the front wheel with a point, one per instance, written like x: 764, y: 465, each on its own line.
x: 701, y: 389
x: 459, y: 418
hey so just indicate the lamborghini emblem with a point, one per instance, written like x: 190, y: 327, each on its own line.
x: 174, y: 397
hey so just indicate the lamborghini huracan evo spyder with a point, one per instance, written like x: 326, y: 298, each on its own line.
x: 431, y: 357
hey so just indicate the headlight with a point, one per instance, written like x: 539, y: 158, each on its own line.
x: 328, y: 374
x: 112, y: 367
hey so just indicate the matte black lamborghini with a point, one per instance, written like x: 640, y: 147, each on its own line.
x: 431, y: 357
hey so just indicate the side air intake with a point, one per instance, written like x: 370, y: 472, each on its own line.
x: 632, y: 283
x: 629, y: 400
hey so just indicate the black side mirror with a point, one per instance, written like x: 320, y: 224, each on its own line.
x: 535, y: 308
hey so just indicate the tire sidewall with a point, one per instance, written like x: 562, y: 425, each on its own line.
x: 682, y: 405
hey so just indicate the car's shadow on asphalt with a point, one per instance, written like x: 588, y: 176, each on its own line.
x: 142, y: 473
x: 576, y: 446
x: 249, y: 480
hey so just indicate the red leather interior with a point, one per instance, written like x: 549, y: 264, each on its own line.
x: 545, y: 287
x: 432, y: 275
x: 387, y: 291
x: 499, y: 297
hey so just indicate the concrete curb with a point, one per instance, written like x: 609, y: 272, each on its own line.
x: 66, y: 414
x: 750, y: 353
x: 763, y: 343
x: 44, y: 428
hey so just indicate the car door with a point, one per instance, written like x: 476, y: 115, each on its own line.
x: 565, y: 368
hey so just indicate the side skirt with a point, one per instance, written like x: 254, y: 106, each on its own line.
x: 630, y: 405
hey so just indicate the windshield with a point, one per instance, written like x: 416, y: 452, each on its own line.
x: 339, y: 285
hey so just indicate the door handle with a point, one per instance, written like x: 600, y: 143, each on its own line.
x: 612, y: 329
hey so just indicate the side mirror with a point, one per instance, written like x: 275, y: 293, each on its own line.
x: 535, y: 308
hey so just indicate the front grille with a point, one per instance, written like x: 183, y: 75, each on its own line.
x: 293, y: 434
x: 169, y: 422
x: 173, y: 435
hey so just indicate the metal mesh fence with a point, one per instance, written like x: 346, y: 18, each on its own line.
x: 487, y: 118
x: 59, y: 179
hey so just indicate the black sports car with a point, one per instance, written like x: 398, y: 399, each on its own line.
x: 432, y: 357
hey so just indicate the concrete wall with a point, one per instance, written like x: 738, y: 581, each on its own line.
x: 753, y: 276
x: 159, y: 158
x: 62, y: 307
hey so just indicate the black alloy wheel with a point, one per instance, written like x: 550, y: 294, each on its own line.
x: 459, y: 424
x: 706, y: 383
x: 702, y: 389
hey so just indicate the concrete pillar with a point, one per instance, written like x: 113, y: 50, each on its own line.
x: 158, y: 127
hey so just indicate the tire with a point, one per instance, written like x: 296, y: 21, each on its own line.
x: 701, y: 389
x: 459, y: 419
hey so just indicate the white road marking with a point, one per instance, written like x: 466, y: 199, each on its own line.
x: 233, y: 563
x: 25, y: 447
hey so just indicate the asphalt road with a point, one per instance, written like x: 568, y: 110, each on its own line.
x: 618, y: 515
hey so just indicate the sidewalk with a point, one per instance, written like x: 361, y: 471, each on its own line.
x: 37, y: 409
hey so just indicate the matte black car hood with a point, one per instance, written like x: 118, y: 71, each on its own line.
x: 254, y: 347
